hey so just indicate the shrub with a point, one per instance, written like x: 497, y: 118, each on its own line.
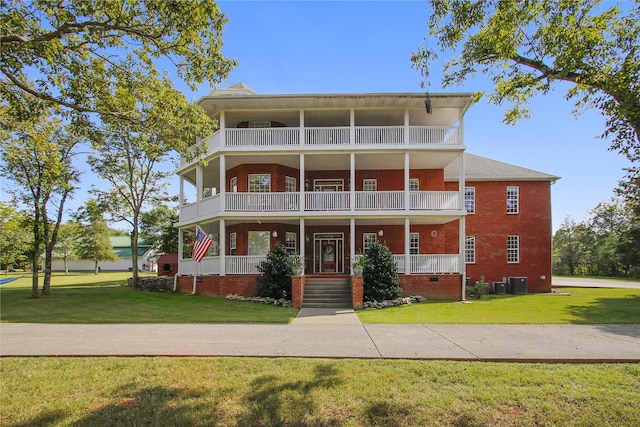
x: 380, y: 275
x: 277, y: 269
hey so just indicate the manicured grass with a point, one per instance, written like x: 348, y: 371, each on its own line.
x: 105, y: 298
x: 581, y: 306
x: 304, y: 392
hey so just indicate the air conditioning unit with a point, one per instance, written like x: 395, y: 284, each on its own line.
x: 499, y: 288
x: 518, y: 285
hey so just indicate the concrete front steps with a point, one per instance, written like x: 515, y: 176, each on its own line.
x: 327, y: 292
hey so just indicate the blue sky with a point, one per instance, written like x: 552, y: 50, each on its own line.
x: 365, y: 46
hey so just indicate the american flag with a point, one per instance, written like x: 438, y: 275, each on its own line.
x: 202, y: 245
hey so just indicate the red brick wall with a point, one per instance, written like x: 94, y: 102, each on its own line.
x: 219, y: 286
x: 432, y: 287
x: 491, y: 225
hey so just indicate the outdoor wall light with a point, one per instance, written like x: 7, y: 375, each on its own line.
x: 380, y: 233
x: 275, y: 234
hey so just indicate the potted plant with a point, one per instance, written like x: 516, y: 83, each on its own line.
x: 298, y: 265
x: 359, y: 265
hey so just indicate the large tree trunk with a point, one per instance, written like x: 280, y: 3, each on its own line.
x: 134, y: 254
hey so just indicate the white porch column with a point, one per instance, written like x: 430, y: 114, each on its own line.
x: 407, y: 246
x: 223, y: 183
x: 352, y: 243
x: 223, y: 129
x: 198, y: 185
x: 303, y: 242
x: 352, y: 127
x: 352, y: 181
x: 180, y: 246
x: 302, y: 130
x: 407, y: 175
x: 302, y: 185
x: 223, y: 247
x: 463, y: 265
x: 406, y: 126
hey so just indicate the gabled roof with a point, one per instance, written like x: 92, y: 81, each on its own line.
x: 237, y: 89
x: 122, y: 246
x: 479, y: 168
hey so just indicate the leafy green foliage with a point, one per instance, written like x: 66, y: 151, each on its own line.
x: 16, y: 239
x: 277, y: 269
x: 380, y: 274
x: 93, y: 241
x: 528, y: 47
x: 156, y: 228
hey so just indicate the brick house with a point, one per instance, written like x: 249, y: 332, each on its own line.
x: 327, y: 174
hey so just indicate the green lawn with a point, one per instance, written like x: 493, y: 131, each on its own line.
x: 581, y: 306
x: 313, y: 392
x: 105, y: 298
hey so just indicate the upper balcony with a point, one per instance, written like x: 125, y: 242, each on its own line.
x: 333, y: 138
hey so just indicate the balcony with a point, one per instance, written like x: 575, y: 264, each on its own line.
x: 331, y: 201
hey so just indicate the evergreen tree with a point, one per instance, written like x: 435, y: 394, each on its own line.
x: 277, y: 269
x: 380, y: 274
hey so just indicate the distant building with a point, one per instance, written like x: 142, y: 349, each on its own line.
x: 327, y: 174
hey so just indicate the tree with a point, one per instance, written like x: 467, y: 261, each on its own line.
x: 156, y: 228
x: 66, y: 243
x: 37, y: 155
x: 276, y: 269
x: 16, y: 239
x: 527, y: 47
x: 380, y: 274
x: 77, y: 54
x: 93, y: 240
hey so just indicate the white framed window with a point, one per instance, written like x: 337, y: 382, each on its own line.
x: 328, y: 185
x: 470, y: 199
x: 290, y: 184
x: 414, y: 184
x: 259, y: 243
x: 259, y: 183
x: 513, y: 249
x: 367, y: 240
x: 513, y: 199
x: 232, y: 243
x: 414, y: 243
x: 470, y: 249
x: 291, y: 242
x: 370, y: 184
x: 233, y: 184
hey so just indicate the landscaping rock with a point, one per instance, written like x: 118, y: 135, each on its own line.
x: 374, y: 305
x: 260, y: 300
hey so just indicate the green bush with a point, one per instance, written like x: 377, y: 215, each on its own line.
x: 277, y: 269
x: 380, y: 274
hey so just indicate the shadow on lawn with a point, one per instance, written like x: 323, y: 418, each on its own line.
x: 608, y: 311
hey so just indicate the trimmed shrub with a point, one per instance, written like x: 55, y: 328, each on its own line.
x: 277, y: 269
x: 380, y: 274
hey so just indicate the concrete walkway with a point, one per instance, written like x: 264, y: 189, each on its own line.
x: 329, y: 333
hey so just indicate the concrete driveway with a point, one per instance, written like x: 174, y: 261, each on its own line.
x: 592, y: 283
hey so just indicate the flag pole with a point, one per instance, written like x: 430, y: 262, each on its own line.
x: 195, y: 278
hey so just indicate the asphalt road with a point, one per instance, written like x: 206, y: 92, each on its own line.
x: 593, y: 283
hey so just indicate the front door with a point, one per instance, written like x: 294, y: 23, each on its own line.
x: 328, y: 253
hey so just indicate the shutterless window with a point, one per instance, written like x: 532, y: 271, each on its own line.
x: 290, y: 184
x: 470, y: 249
x: 291, y: 242
x: 414, y: 243
x: 513, y: 249
x: 258, y: 242
x: 259, y: 183
x: 232, y: 243
x: 414, y: 184
x: 370, y: 185
x: 512, y: 199
x: 367, y: 240
x: 233, y: 184
x: 470, y: 199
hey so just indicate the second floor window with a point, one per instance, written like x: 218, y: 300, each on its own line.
x: 290, y: 184
x: 370, y: 185
x: 259, y: 183
x: 512, y: 199
x: 470, y: 199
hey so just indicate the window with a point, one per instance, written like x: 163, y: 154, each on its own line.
x: 290, y: 184
x: 259, y: 124
x: 258, y: 242
x: 512, y: 199
x: 233, y: 184
x: 470, y: 199
x: 232, y: 243
x: 367, y: 240
x: 259, y: 183
x: 291, y: 242
x: 470, y: 249
x: 370, y: 185
x: 513, y: 249
x: 414, y: 243
x: 414, y: 184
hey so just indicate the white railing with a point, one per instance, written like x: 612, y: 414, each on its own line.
x: 435, y: 200
x: 379, y: 134
x: 327, y: 136
x: 262, y: 137
x: 399, y: 260
x: 327, y: 201
x: 379, y: 200
x: 188, y: 212
x: 262, y: 202
x: 434, y: 135
x: 210, y: 205
x: 435, y: 264
x: 243, y: 264
x: 208, y: 265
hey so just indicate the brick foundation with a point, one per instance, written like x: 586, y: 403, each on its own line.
x: 219, y: 286
x: 433, y: 286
